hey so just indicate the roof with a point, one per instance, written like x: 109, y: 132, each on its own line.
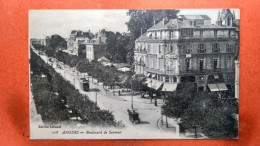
x: 172, y: 23
x: 178, y: 24
x: 103, y: 59
x: 193, y: 17
x: 236, y: 22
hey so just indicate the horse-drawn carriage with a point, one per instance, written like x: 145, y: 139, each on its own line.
x: 133, y: 116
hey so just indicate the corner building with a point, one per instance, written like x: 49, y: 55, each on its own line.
x: 187, y: 49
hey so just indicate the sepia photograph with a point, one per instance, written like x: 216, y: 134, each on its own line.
x: 134, y: 74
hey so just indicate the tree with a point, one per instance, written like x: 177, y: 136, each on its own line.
x: 130, y: 50
x: 83, y: 65
x: 56, y: 42
x: 221, y: 119
x: 194, y: 115
x: 117, y: 46
x: 138, y: 84
x: 177, y: 102
x: 216, y: 117
x: 144, y: 19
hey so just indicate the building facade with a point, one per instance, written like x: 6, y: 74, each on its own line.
x: 95, y: 51
x: 78, y: 37
x: 187, y: 49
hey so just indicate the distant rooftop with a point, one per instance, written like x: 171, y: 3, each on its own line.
x: 194, y: 17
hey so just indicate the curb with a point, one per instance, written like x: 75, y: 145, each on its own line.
x: 158, y: 124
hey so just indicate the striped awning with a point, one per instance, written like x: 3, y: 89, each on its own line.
x: 217, y: 87
x: 222, y: 87
x: 157, y: 85
x: 169, y: 87
x: 151, y: 83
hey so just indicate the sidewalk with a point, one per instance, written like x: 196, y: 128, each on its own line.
x: 173, y: 126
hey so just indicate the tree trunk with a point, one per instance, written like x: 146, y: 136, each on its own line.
x: 195, y: 132
x: 166, y: 122
x: 162, y: 118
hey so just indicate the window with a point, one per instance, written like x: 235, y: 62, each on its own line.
x: 166, y: 79
x: 171, y: 49
x: 229, y: 33
x: 187, y: 63
x: 215, y: 60
x: 190, y: 22
x: 187, y: 32
x: 229, y: 47
x: 201, y: 64
x: 186, y: 48
x: 228, y: 62
x: 159, y: 48
x: 202, y: 48
x: 174, y: 79
x: 201, y: 33
x: 215, y: 48
x: 215, y: 33
x: 201, y: 78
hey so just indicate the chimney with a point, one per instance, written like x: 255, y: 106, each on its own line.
x: 141, y: 31
x: 153, y: 22
x: 163, y: 21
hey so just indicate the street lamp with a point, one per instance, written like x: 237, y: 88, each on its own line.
x: 132, y: 104
x: 96, y: 98
x: 151, y: 92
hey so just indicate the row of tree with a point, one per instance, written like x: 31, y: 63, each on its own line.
x: 51, y: 93
x: 204, y: 111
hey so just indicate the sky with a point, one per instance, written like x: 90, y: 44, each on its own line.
x: 44, y: 23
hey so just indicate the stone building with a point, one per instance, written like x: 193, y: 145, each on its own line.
x: 94, y: 51
x: 187, y: 49
x: 78, y: 37
x: 34, y: 41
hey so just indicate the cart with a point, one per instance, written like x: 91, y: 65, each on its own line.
x: 133, y: 116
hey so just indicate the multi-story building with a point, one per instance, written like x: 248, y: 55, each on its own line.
x: 94, y: 51
x: 77, y: 38
x: 190, y: 49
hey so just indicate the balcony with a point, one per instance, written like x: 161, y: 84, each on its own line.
x: 162, y: 72
x: 206, y: 71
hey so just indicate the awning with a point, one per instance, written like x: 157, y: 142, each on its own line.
x: 217, y: 87
x: 151, y: 83
x: 222, y: 87
x: 169, y: 87
x: 157, y: 85
x: 213, y: 87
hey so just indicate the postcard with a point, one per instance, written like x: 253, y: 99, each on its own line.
x: 134, y: 74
